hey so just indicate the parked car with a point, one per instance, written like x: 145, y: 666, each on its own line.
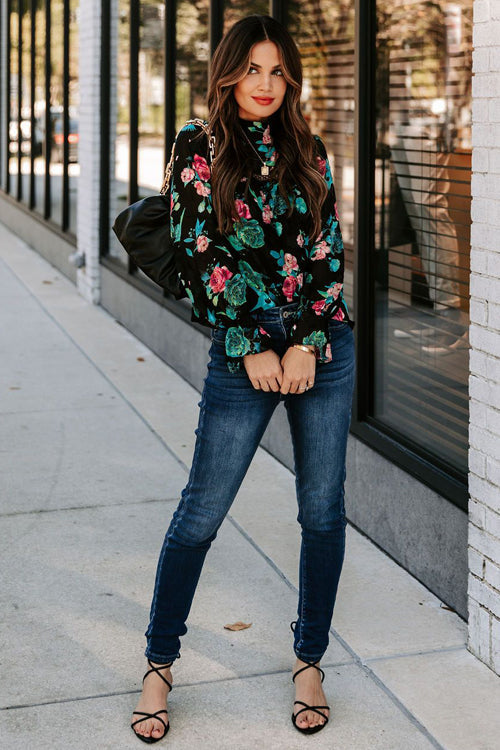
x: 58, y: 139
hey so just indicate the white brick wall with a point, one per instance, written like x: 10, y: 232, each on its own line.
x: 484, y: 380
x: 88, y: 277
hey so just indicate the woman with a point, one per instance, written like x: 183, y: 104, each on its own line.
x: 261, y: 258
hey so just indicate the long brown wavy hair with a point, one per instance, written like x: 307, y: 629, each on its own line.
x: 292, y: 137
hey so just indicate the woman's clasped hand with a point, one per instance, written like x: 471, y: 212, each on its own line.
x: 293, y: 373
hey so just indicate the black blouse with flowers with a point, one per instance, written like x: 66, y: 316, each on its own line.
x: 267, y: 260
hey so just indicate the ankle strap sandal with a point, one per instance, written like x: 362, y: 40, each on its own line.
x: 156, y: 715
x: 307, y: 707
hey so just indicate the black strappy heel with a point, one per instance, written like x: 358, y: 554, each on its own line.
x: 318, y: 727
x: 156, y: 715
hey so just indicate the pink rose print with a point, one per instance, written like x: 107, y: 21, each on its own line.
x: 202, y: 189
x: 266, y: 135
x: 201, y: 167
x: 187, y: 174
x: 242, y: 209
x: 334, y: 290
x: 336, y: 212
x: 328, y: 353
x: 267, y: 214
x: 300, y: 240
x: 318, y: 306
x: 218, y: 278
x: 171, y: 202
x: 263, y: 332
x: 300, y: 280
x: 201, y: 243
x: 321, y: 165
x: 290, y: 263
x: 339, y: 315
x: 320, y: 251
x: 289, y: 285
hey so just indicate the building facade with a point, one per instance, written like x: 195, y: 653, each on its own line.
x: 406, y: 96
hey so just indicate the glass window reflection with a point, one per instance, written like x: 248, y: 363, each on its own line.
x: 422, y: 186
x: 324, y: 33
x: 151, y: 97
x: 25, y: 94
x: 39, y: 142
x: 56, y: 109
x: 14, y: 126
x: 74, y: 104
x: 236, y: 9
x: 120, y: 117
x: 192, y: 61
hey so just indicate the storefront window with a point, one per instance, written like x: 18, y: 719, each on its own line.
x: 422, y: 208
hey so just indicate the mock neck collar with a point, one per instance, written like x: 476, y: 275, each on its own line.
x: 260, y: 124
x: 256, y: 124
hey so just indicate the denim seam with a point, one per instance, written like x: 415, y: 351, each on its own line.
x: 303, y: 593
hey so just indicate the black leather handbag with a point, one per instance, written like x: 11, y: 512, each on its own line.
x: 143, y: 229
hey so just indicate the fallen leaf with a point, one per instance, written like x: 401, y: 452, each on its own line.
x: 140, y: 359
x: 238, y: 625
x: 47, y: 282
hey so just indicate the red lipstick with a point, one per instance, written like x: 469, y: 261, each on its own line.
x: 263, y: 100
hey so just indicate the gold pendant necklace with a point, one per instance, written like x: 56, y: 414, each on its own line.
x: 264, y: 170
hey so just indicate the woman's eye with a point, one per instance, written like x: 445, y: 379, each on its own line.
x: 277, y: 72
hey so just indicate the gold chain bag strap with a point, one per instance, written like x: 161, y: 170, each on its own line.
x: 168, y: 170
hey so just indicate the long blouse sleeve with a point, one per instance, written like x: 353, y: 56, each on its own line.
x: 321, y: 293
x: 216, y: 282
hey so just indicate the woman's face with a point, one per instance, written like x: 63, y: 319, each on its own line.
x: 261, y: 91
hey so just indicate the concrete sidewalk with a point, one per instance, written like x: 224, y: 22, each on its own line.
x: 97, y: 436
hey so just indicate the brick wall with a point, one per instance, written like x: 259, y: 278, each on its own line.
x: 88, y: 277
x: 484, y: 380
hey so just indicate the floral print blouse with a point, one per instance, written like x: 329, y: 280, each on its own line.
x: 267, y: 260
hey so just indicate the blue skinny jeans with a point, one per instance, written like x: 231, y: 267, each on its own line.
x: 232, y: 420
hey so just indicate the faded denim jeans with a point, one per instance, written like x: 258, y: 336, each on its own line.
x: 232, y: 420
